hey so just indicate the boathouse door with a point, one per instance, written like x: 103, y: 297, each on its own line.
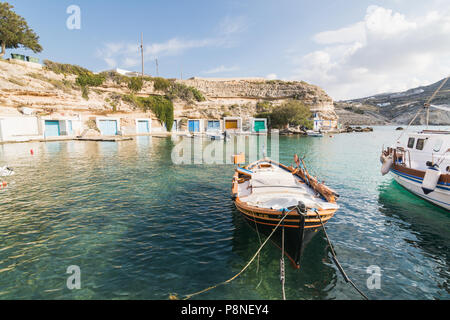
x: 231, y: 124
x: 260, y: 125
x: 108, y: 127
x: 143, y: 126
x: 213, y: 125
x: 194, y: 126
x: 52, y: 128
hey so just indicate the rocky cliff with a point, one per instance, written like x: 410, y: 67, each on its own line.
x: 398, y: 107
x: 27, y: 85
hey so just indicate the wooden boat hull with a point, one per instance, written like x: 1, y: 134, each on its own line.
x: 299, y: 228
x: 297, y: 233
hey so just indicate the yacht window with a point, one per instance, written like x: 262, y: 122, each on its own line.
x: 438, y: 145
x: 420, y: 143
x: 411, y: 142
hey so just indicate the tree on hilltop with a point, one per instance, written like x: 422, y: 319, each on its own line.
x: 14, y: 31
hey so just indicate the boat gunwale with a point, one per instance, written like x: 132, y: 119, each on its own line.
x: 325, y: 214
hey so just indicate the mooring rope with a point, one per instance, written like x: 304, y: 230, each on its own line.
x: 335, y: 260
x: 259, y: 255
x: 243, y: 269
x: 282, y: 270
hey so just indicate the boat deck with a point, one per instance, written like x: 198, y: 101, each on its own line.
x: 275, y: 188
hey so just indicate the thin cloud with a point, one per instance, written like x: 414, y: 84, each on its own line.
x: 128, y: 54
x: 221, y: 69
x: 385, y: 52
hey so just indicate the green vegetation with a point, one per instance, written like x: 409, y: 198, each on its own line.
x: 85, y: 92
x: 63, y: 85
x: 14, y: 31
x: 161, y: 106
x: 62, y: 68
x: 135, y: 84
x: 183, y: 92
x: 115, y: 77
x: 176, y: 90
x: 291, y: 113
x: 90, y: 80
x: 354, y: 110
x: 161, y: 84
x: 264, y: 106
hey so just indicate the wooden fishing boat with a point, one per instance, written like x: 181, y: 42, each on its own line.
x: 420, y: 162
x: 265, y: 191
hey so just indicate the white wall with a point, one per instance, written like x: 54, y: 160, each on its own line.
x: 18, y: 128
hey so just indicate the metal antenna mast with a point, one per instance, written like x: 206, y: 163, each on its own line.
x: 142, y: 52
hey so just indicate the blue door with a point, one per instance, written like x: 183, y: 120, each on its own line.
x: 69, y: 127
x: 213, y: 125
x: 194, y: 125
x: 108, y: 127
x: 52, y: 128
x: 143, y: 126
x: 174, y: 126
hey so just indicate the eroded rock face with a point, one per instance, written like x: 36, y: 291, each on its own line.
x: 271, y: 90
x: 43, y: 90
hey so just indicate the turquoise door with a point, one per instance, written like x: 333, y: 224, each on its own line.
x: 194, y: 125
x: 108, y: 127
x: 52, y: 128
x: 260, y: 126
x: 143, y: 126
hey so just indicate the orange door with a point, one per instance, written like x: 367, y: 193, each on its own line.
x: 231, y: 124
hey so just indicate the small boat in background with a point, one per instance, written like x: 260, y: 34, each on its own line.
x: 6, y: 171
x: 217, y: 135
x: 311, y: 133
x: 265, y: 191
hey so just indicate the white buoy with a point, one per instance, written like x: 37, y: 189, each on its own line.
x: 430, y: 181
x: 387, y: 162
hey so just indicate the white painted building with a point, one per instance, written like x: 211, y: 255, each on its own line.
x: 20, y: 129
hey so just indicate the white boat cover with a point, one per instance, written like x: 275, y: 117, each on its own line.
x: 275, y: 188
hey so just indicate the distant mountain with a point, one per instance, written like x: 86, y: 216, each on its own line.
x: 401, y: 107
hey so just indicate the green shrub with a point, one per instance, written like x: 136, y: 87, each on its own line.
x: 162, y: 107
x: 61, y: 68
x: 183, y: 92
x: 85, y: 92
x: 264, y: 106
x: 115, y: 77
x: 161, y: 84
x: 197, y: 94
x: 292, y: 113
x: 90, y: 79
x: 135, y: 84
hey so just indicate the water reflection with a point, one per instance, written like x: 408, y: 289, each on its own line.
x: 316, y: 277
x: 427, y: 225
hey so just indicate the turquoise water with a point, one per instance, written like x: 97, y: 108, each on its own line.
x: 141, y: 227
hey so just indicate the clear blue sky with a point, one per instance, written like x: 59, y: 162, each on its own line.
x: 236, y: 38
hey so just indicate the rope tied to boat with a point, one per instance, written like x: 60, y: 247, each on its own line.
x: 282, y: 269
x: 173, y: 297
x: 335, y: 260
